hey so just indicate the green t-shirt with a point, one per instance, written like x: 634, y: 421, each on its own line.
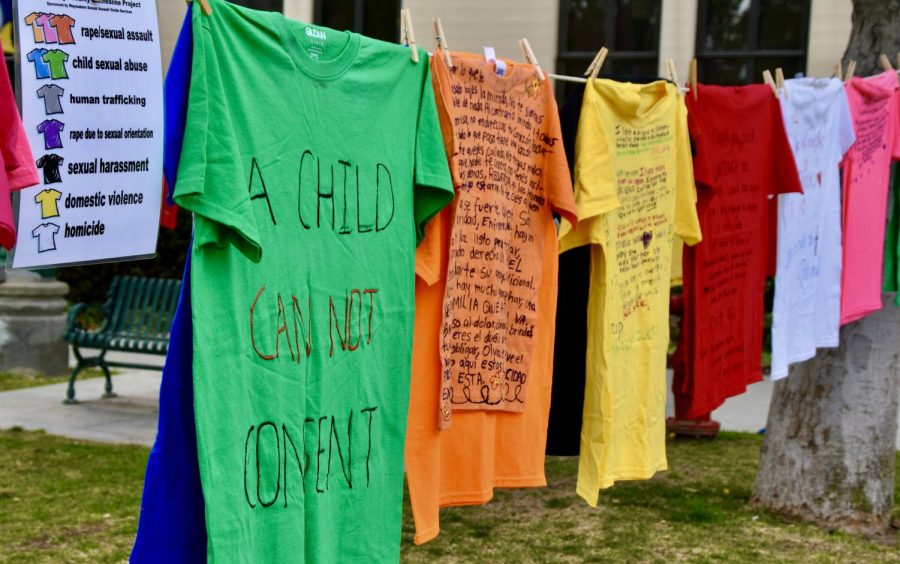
x: 312, y: 160
x: 57, y: 58
x: 892, y: 237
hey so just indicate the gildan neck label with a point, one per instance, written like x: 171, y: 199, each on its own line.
x: 315, y: 42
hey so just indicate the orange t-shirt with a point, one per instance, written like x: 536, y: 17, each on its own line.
x: 462, y: 465
x: 63, y: 25
x: 507, y: 153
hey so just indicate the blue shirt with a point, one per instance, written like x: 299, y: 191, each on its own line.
x: 178, y: 84
x: 41, y: 68
x: 172, y: 526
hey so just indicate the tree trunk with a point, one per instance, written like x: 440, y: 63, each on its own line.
x: 876, y: 30
x: 828, y: 455
x: 829, y: 451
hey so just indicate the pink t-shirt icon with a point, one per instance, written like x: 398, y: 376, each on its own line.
x: 49, y: 31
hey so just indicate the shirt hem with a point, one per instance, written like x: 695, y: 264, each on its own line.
x: 466, y: 498
x: 437, y: 181
x: 22, y: 180
x: 530, y: 482
x: 427, y: 535
x: 803, y: 357
x: 592, y: 497
x: 858, y: 313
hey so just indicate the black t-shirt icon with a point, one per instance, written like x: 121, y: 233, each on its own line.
x: 50, y: 164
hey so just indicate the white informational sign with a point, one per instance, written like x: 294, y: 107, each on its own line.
x: 92, y: 104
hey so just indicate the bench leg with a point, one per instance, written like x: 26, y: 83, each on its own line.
x: 103, y: 366
x: 70, y: 391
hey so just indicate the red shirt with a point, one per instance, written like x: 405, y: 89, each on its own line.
x: 17, y: 168
x: 741, y: 156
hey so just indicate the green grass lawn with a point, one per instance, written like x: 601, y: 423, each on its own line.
x: 13, y: 381
x: 72, y: 501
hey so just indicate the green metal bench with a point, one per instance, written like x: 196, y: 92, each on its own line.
x: 137, y: 314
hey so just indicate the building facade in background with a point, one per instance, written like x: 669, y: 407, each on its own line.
x: 733, y: 40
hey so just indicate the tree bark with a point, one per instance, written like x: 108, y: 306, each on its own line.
x: 828, y: 455
x: 876, y: 30
x: 829, y: 451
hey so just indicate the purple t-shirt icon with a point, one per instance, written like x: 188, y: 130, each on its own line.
x: 51, y: 129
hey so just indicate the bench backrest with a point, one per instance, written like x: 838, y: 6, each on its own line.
x: 142, y: 308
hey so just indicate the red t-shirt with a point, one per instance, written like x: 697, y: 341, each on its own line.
x: 741, y: 156
x: 17, y: 168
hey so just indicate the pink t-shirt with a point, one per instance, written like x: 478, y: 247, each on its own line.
x: 49, y: 32
x: 875, y: 107
x: 17, y: 168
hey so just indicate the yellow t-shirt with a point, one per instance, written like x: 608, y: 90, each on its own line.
x: 47, y: 200
x: 634, y: 189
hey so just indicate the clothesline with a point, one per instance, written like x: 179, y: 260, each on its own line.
x: 581, y: 80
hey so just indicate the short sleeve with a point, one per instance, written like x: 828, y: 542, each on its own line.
x: 177, y: 89
x: 15, y: 153
x: 54, y: 229
x: 846, y: 131
x: 210, y: 168
x: 687, y: 224
x: 433, y: 185
x: 42, y: 91
x: 896, y: 122
x: 557, y: 178
x: 699, y: 143
x: 40, y: 162
x: 41, y: 127
x: 595, y: 185
x: 65, y: 56
x: 783, y: 175
x: 36, y: 232
x: 431, y: 253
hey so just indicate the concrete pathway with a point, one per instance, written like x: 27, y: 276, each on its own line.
x: 132, y: 417
x: 129, y: 418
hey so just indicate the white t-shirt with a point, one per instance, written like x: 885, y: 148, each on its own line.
x: 806, y: 312
x: 45, y: 233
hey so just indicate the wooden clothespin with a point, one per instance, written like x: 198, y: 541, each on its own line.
x: 851, y: 69
x: 767, y: 78
x: 673, y: 76
x: 838, y: 70
x: 885, y: 62
x: 440, y: 41
x: 594, y: 68
x: 779, y: 81
x: 692, y: 77
x: 204, y: 6
x: 529, y: 56
x: 407, y: 35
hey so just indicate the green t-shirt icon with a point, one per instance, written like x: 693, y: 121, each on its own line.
x: 56, y: 58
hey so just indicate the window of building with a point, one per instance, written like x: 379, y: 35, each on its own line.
x: 738, y: 39
x: 267, y: 5
x: 374, y: 18
x: 628, y: 28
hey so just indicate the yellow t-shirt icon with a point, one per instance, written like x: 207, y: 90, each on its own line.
x: 47, y: 199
